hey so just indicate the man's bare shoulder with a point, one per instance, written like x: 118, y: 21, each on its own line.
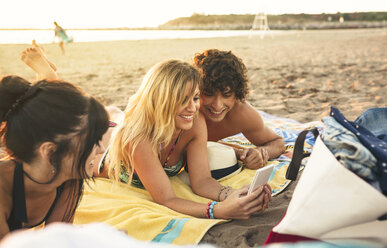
x: 245, y: 115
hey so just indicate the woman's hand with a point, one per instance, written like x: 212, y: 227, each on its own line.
x: 267, y: 196
x: 239, y: 205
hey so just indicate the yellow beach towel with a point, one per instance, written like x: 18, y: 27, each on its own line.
x: 133, y: 210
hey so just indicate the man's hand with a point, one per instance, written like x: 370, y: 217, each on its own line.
x: 253, y: 158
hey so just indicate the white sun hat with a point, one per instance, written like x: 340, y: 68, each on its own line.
x: 222, y: 161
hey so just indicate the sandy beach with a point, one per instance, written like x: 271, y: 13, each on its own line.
x: 293, y: 74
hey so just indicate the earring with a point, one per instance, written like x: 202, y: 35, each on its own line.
x: 53, y: 169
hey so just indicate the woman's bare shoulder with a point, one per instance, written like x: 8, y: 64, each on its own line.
x: 6, y: 185
x: 144, y: 146
x: 198, y: 130
x: 7, y: 168
x: 200, y: 121
x: 199, y: 126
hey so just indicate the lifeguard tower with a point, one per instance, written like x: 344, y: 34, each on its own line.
x: 260, y: 24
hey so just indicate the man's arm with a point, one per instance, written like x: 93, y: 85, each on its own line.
x: 274, y: 144
x: 269, y: 144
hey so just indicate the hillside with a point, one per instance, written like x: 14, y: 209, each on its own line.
x: 285, y: 21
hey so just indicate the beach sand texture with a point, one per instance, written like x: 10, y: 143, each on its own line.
x: 294, y: 74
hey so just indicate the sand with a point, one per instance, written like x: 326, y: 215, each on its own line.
x: 254, y: 231
x: 294, y: 74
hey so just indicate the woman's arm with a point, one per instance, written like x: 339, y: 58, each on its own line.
x: 153, y: 177
x: 6, y: 182
x: 238, y: 205
x: 4, y: 229
x: 202, y: 182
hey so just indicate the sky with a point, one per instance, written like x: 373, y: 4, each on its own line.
x: 151, y: 13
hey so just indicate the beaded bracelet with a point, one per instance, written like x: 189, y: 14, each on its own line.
x: 212, y: 209
x: 208, y: 210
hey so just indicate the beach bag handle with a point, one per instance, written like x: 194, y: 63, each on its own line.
x: 298, y: 153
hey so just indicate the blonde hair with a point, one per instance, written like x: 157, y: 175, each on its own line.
x: 150, y: 113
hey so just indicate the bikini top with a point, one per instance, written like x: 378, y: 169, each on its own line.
x: 19, y: 211
x: 124, y: 174
x: 169, y: 170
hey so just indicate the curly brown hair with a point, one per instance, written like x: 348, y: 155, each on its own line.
x: 220, y: 70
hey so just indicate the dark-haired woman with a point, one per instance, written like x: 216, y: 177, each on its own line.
x: 51, y: 139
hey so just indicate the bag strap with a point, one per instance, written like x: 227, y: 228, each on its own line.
x: 298, y: 153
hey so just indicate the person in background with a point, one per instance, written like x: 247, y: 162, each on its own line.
x: 62, y: 37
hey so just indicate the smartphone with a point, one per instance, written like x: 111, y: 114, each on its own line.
x: 261, y: 177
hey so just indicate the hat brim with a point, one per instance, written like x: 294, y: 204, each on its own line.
x: 219, y: 174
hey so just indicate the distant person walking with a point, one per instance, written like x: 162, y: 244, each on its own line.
x: 62, y: 36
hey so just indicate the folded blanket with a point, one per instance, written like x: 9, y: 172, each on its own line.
x: 133, y: 210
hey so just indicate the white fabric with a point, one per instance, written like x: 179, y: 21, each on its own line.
x: 220, y: 156
x: 96, y: 235
x: 330, y: 203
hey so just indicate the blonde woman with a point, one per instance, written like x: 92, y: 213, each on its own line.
x: 161, y: 132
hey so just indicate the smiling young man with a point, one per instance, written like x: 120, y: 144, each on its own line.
x: 222, y: 101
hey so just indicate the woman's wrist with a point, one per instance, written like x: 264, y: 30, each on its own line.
x: 210, y: 209
x: 217, y: 211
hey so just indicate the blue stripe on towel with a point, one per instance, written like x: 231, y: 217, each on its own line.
x: 171, y: 231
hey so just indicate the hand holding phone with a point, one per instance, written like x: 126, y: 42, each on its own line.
x: 261, y: 177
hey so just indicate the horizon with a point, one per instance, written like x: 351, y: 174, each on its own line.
x: 158, y: 27
x: 97, y: 14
